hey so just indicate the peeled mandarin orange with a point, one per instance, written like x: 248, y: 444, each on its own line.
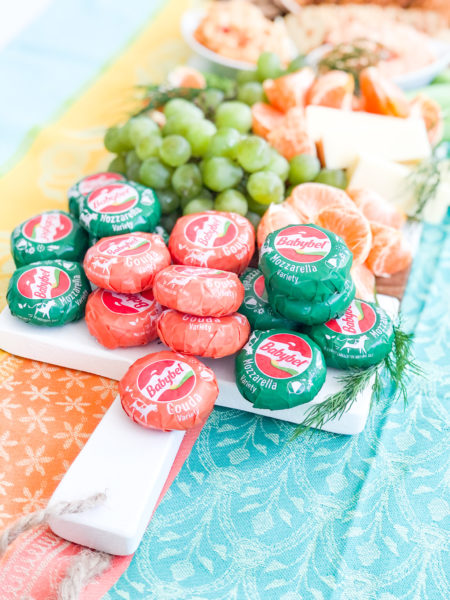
x: 352, y: 226
x: 431, y: 113
x: 333, y: 89
x: 382, y: 96
x: 289, y: 90
x: 184, y: 76
x: 364, y: 281
x: 265, y: 118
x: 375, y: 208
x: 291, y: 137
x: 390, y: 252
x: 308, y: 199
x: 275, y: 217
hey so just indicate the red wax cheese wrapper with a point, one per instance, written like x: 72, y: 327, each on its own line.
x: 199, y: 291
x: 126, y: 263
x: 218, y: 240
x: 122, y: 320
x: 213, y: 337
x: 167, y: 390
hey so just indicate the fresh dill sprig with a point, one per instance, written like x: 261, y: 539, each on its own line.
x: 424, y: 181
x: 398, y: 366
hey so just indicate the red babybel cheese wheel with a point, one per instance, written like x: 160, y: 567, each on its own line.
x: 198, y: 290
x: 213, y: 337
x: 126, y: 263
x: 219, y: 240
x: 122, y: 320
x: 167, y: 390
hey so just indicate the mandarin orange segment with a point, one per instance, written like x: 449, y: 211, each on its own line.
x: 364, y: 281
x: 351, y: 226
x: 333, y: 89
x: 265, y: 118
x: 430, y: 111
x: 382, y: 96
x: 275, y: 217
x: 291, y: 137
x: 289, y: 90
x: 308, y: 199
x: 390, y: 253
x: 184, y: 76
x: 375, y: 208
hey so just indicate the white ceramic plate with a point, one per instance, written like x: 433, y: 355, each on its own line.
x: 415, y: 79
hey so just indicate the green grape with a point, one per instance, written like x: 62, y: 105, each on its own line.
x: 179, y: 124
x: 231, y: 201
x: 254, y: 218
x: 246, y: 76
x: 124, y: 135
x: 204, y: 194
x: 175, y: 150
x: 277, y: 164
x: 256, y: 207
x: 298, y: 63
x: 250, y: 93
x: 187, y: 181
x: 168, y: 200
x: 149, y: 146
x: 220, y: 173
x: 224, y: 143
x: 209, y: 100
x: 168, y: 221
x: 117, y: 165
x: 234, y: 114
x: 133, y: 164
x: 303, y: 168
x: 112, y: 140
x: 154, y: 173
x: 334, y: 177
x: 199, y: 136
x: 268, y: 66
x: 265, y: 187
x: 181, y: 107
x: 198, y: 205
x: 253, y: 153
x: 140, y: 128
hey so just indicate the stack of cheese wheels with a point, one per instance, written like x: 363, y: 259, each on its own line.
x: 201, y: 318
x: 123, y: 311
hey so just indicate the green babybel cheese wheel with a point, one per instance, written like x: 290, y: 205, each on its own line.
x: 279, y: 369
x: 159, y: 230
x: 305, y: 261
x: 120, y: 208
x: 48, y: 292
x: 256, y: 307
x: 49, y: 235
x: 78, y: 193
x: 316, y: 312
x: 361, y: 337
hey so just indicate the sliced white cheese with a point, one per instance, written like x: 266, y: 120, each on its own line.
x: 387, y: 178
x: 343, y: 135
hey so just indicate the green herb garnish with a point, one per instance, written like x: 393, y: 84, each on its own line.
x: 397, y: 366
x: 424, y: 181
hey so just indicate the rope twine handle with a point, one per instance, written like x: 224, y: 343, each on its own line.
x: 85, y: 566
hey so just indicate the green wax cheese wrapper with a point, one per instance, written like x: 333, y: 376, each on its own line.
x: 256, y: 307
x: 159, y: 230
x: 78, y: 193
x: 279, y: 369
x: 48, y: 292
x: 120, y: 208
x: 315, y: 312
x: 305, y: 261
x: 50, y: 235
x: 361, y: 337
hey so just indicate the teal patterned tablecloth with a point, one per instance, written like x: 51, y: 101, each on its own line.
x: 253, y: 516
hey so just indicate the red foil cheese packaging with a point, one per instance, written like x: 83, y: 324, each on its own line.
x: 168, y: 390
x: 213, y: 337
x: 126, y: 263
x: 199, y: 291
x: 122, y: 320
x: 218, y: 240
